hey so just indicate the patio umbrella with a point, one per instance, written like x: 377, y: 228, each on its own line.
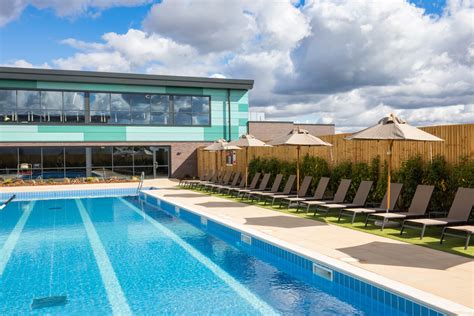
x: 298, y: 137
x: 393, y: 128
x: 247, y: 141
x: 219, y: 146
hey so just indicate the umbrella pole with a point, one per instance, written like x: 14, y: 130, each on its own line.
x: 389, y: 173
x: 297, y: 169
x: 246, y: 165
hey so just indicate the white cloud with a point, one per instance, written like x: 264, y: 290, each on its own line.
x: 12, y: 9
x: 344, y: 62
x: 21, y: 63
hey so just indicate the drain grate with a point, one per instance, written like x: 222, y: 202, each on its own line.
x: 246, y: 239
x: 322, y: 271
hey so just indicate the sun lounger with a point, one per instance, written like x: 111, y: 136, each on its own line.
x: 301, y: 192
x: 338, y: 197
x: 236, y: 178
x: 318, y: 194
x: 395, y: 189
x: 290, y: 182
x: 274, y: 189
x: 262, y: 186
x: 464, y: 231
x: 418, y: 207
x: 359, y: 200
x: 458, y: 213
x: 206, y: 177
x: 252, y: 185
x: 241, y: 185
x: 225, y: 179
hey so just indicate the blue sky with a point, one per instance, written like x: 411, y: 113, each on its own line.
x: 36, y: 35
x: 343, y: 62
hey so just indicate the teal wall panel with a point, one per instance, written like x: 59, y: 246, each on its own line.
x: 63, y: 133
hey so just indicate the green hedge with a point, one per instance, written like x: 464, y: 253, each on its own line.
x: 413, y: 171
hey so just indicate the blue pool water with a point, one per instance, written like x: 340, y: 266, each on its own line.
x: 117, y: 256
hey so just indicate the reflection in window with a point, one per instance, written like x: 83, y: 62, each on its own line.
x: 7, y: 100
x: 75, y: 157
x: 143, y: 156
x: 182, y: 118
x: 140, y: 102
x: 121, y: 117
x: 182, y: 104
x: 160, y: 103
x: 30, y: 155
x: 158, y: 118
x: 52, y: 100
x: 101, y: 156
x: 99, y: 101
x: 53, y: 157
x: 123, y: 156
x: 28, y: 99
x: 120, y: 102
x: 9, y: 156
x: 74, y: 101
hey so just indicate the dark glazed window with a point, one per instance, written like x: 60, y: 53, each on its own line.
x: 31, y: 155
x: 75, y: 157
x: 53, y: 157
x: 8, y: 157
x: 123, y: 156
x: 28, y: 106
x: 101, y: 156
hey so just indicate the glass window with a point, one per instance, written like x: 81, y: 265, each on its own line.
x: 159, y: 118
x: 182, y: 104
x: 140, y: 117
x: 7, y: 116
x: 120, y: 102
x: 160, y: 103
x: 75, y: 157
x: 100, y: 116
x: 74, y: 101
x: 53, y: 157
x: 140, y: 102
x: 101, y: 156
x: 74, y: 117
x: 7, y: 99
x: 99, y: 101
x: 123, y: 156
x: 162, y: 155
x: 30, y: 155
x: 120, y: 117
x: 28, y: 99
x: 182, y: 118
x: 201, y: 119
x: 52, y: 100
x: 143, y: 156
x: 8, y: 157
x: 200, y: 104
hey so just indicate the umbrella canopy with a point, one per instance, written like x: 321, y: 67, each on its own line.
x: 393, y: 128
x: 221, y: 144
x: 247, y: 141
x: 298, y: 137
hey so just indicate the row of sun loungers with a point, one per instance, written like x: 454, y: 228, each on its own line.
x: 416, y: 217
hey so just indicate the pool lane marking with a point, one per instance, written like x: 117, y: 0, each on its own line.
x: 114, y: 291
x: 242, y: 291
x: 10, y: 244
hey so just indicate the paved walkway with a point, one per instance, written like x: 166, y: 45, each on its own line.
x: 445, y: 275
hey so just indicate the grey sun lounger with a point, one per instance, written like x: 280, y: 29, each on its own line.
x: 261, y: 187
x: 395, y: 189
x: 458, y: 213
x: 252, y: 185
x: 359, y: 200
x: 213, y: 180
x: 275, y: 187
x: 286, y: 190
x: 236, y: 179
x: 317, y: 196
x: 301, y: 192
x: 464, y: 231
x: 338, y: 197
x: 205, y: 178
x: 418, y: 207
x: 225, y: 180
x: 241, y: 185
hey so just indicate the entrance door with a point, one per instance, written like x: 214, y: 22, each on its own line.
x: 161, y: 162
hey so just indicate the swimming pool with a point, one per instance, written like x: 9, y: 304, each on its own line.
x: 115, y: 255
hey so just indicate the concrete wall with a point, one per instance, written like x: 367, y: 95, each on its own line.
x: 268, y: 130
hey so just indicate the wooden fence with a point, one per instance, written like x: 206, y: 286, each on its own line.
x: 458, y: 142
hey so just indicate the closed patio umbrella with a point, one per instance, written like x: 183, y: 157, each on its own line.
x: 246, y: 141
x: 393, y: 128
x: 298, y: 137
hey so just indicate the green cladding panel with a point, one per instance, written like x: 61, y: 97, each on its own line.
x: 219, y: 128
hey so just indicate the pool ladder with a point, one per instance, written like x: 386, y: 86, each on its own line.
x: 140, y: 184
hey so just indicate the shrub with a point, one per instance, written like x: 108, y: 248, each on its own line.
x: 410, y: 174
x: 316, y: 167
x: 341, y: 171
x: 438, y: 174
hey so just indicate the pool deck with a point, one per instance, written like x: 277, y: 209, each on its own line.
x: 437, y: 277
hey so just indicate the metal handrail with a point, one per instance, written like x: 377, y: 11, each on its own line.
x: 140, y: 184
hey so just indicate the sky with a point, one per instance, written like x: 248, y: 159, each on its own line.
x: 347, y: 62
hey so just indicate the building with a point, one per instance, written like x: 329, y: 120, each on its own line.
x: 268, y: 130
x: 57, y: 123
